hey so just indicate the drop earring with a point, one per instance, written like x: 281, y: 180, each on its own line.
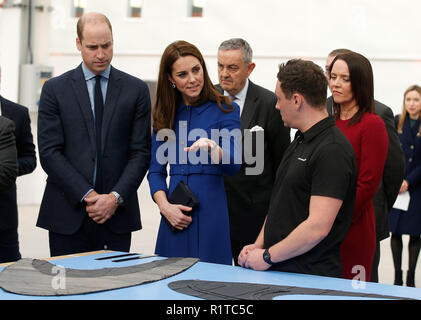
x: 173, y: 85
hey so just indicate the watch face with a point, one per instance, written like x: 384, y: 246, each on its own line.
x: 266, y: 257
x: 118, y: 198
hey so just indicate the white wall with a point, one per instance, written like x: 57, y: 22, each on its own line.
x: 10, y: 48
x: 386, y: 32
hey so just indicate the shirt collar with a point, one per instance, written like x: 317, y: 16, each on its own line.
x: 317, y: 128
x: 89, y: 74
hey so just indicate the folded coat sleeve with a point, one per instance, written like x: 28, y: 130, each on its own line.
x: 139, y: 148
x: 157, y: 174
x: 8, y: 155
x: 414, y: 178
x: 394, y: 168
x: 25, y: 145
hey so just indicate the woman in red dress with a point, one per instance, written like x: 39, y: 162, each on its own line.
x: 352, y: 86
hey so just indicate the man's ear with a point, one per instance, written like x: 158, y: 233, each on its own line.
x: 298, y: 99
x: 250, y: 68
x: 78, y: 44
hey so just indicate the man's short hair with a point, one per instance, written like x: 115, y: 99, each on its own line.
x: 83, y: 20
x: 238, y: 43
x: 306, y: 78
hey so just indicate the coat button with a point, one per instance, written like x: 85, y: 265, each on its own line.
x: 412, y: 147
x: 410, y: 159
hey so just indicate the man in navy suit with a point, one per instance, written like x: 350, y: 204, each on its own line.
x: 8, y: 163
x: 9, y: 242
x: 94, y: 144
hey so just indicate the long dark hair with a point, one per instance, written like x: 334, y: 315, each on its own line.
x: 362, y: 84
x: 168, y: 97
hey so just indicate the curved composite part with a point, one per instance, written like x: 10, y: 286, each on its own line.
x: 215, y: 290
x: 41, y: 278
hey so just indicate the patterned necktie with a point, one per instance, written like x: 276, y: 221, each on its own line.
x: 99, y: 110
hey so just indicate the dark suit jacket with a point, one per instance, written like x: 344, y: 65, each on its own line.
x: 26, y: 158
x: 8, y: 161
x: 248, y: 196
x: 393, y: 172
x: 66, y: 139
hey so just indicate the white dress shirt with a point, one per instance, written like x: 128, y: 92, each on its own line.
x: 240, y: 98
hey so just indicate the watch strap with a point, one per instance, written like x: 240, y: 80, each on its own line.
x: 266, y: 257
x: 118, y: 198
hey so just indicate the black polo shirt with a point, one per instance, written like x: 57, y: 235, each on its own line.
x: 320, y: 162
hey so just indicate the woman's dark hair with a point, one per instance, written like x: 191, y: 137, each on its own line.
x: 168, y: 97
x: 362, y: 84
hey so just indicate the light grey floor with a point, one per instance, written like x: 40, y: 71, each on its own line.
x: 34, y: 241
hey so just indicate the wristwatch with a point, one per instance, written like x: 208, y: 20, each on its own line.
x: 266, y: 257
x: 118, y: 199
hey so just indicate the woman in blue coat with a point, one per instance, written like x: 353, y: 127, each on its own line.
x: 196, y: 130
x: 408, y: 222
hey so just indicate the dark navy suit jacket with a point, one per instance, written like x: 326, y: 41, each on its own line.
x: 8, y: 155
x: 66, y: 139
x: 26, y: 159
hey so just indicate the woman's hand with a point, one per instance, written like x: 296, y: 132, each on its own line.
x: 174, y: 214
x: 208, y: 145
x: 404, y: 186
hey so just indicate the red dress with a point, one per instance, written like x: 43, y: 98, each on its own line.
x: 370, y: 143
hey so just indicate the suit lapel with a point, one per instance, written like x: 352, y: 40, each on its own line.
x: 7, y: 110
x: 250, y: 105
x: 249, y: 108
x: 113, y: 92
x: 2, y: 107
x: 82, y: 97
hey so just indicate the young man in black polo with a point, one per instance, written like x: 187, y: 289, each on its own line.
x: 313, y: 196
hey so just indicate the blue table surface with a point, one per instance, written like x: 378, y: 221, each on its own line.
x: 159, y: 290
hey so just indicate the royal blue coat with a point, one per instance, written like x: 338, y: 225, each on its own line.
x: 409, y: 222
x: 208, y: 236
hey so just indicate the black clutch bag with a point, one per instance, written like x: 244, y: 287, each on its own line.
x: 183, y: 195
